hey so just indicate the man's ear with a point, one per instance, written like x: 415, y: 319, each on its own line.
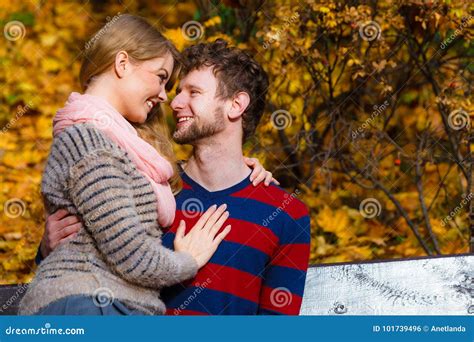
x: 240, y: 102
x: 122, y: 62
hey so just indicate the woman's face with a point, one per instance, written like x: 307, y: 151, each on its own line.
x: 142, y: 87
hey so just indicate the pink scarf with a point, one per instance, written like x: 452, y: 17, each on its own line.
x: 97, y: 111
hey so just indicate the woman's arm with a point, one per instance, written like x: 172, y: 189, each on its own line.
x: 100, y: 191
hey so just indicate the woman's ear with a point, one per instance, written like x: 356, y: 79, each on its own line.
x: 240, y: 102
x: 121, y: 63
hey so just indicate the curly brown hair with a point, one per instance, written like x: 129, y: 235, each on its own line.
x: 235, y: 71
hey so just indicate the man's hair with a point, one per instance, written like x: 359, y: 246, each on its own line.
x: 235, y: 71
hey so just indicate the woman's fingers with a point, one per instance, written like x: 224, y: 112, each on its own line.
x: 181, y: 229
x: 275, y: 181
x: 260, y: 178
x: 203, y: 219
x: 214, y: 217
x: 268, y: 178
x: 256, y: 171
x: 222, y: 235
x: 217, y: 226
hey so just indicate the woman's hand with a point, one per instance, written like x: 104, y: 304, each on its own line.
x: 259, y: 173
x: 202, y: 241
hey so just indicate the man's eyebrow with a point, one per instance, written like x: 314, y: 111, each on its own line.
x: 187, y: 86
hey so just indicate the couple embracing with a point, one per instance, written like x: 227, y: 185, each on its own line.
x: 158, y: 236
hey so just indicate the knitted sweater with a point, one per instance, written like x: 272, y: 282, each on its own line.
x: 118, y: 254
x: 260, y: 267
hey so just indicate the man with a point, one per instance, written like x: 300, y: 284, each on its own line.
x: 260, y: 268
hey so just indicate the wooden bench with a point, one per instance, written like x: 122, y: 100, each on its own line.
x: 421, y: 286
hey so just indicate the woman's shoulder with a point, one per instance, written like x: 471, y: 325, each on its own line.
x: 85, y: 138
x: 82, y: 140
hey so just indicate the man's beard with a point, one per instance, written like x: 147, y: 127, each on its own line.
x: 193, y: 133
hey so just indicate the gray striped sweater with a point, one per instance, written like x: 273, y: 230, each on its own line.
x: 118, y: 254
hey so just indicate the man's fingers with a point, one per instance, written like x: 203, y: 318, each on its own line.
x: 68, y: 221
x: 59, y: 214
x: 275, y: 181
x: 66, y: 231
x: 67, y: 238
x: 222, y: 235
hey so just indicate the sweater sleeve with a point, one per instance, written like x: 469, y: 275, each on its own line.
x: 99, y: 190
x: 285, y: 275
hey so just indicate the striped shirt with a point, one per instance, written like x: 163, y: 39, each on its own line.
x: 118, y: 253
x: 260, y: 267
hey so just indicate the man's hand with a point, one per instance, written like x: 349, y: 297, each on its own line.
x: 60, y: 227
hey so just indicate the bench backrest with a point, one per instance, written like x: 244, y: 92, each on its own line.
x: 423, y: 286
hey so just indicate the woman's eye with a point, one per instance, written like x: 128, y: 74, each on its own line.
x: 162, y: 78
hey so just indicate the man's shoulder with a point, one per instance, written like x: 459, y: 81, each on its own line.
x: 276, y: 197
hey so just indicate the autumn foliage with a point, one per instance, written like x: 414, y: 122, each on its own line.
x: 369, y: 113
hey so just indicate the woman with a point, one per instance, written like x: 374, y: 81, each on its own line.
x: 118, y: 184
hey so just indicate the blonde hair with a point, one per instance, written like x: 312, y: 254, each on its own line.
x: 142, y: 42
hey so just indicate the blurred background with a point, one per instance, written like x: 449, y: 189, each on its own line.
x: 369, y: 117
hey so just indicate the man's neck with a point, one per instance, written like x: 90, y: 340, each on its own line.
x: 217, y: 165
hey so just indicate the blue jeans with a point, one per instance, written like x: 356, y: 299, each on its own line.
x: 84, y: 305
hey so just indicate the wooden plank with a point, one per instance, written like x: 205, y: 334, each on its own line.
x: 10, y: 296
x: 424, y: 286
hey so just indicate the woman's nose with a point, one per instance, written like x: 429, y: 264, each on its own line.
x: 162, y: 95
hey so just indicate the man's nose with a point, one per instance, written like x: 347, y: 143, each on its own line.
x: 177, y: 103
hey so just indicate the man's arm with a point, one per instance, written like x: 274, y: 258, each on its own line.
x: 285, y: 276
x: 60, y: 227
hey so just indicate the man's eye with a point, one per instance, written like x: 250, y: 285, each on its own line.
x: 194, y: 92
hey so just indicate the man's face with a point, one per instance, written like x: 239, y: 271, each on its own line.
x: 198, y: 113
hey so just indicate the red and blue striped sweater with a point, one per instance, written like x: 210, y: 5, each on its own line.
x: 260, y: 268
